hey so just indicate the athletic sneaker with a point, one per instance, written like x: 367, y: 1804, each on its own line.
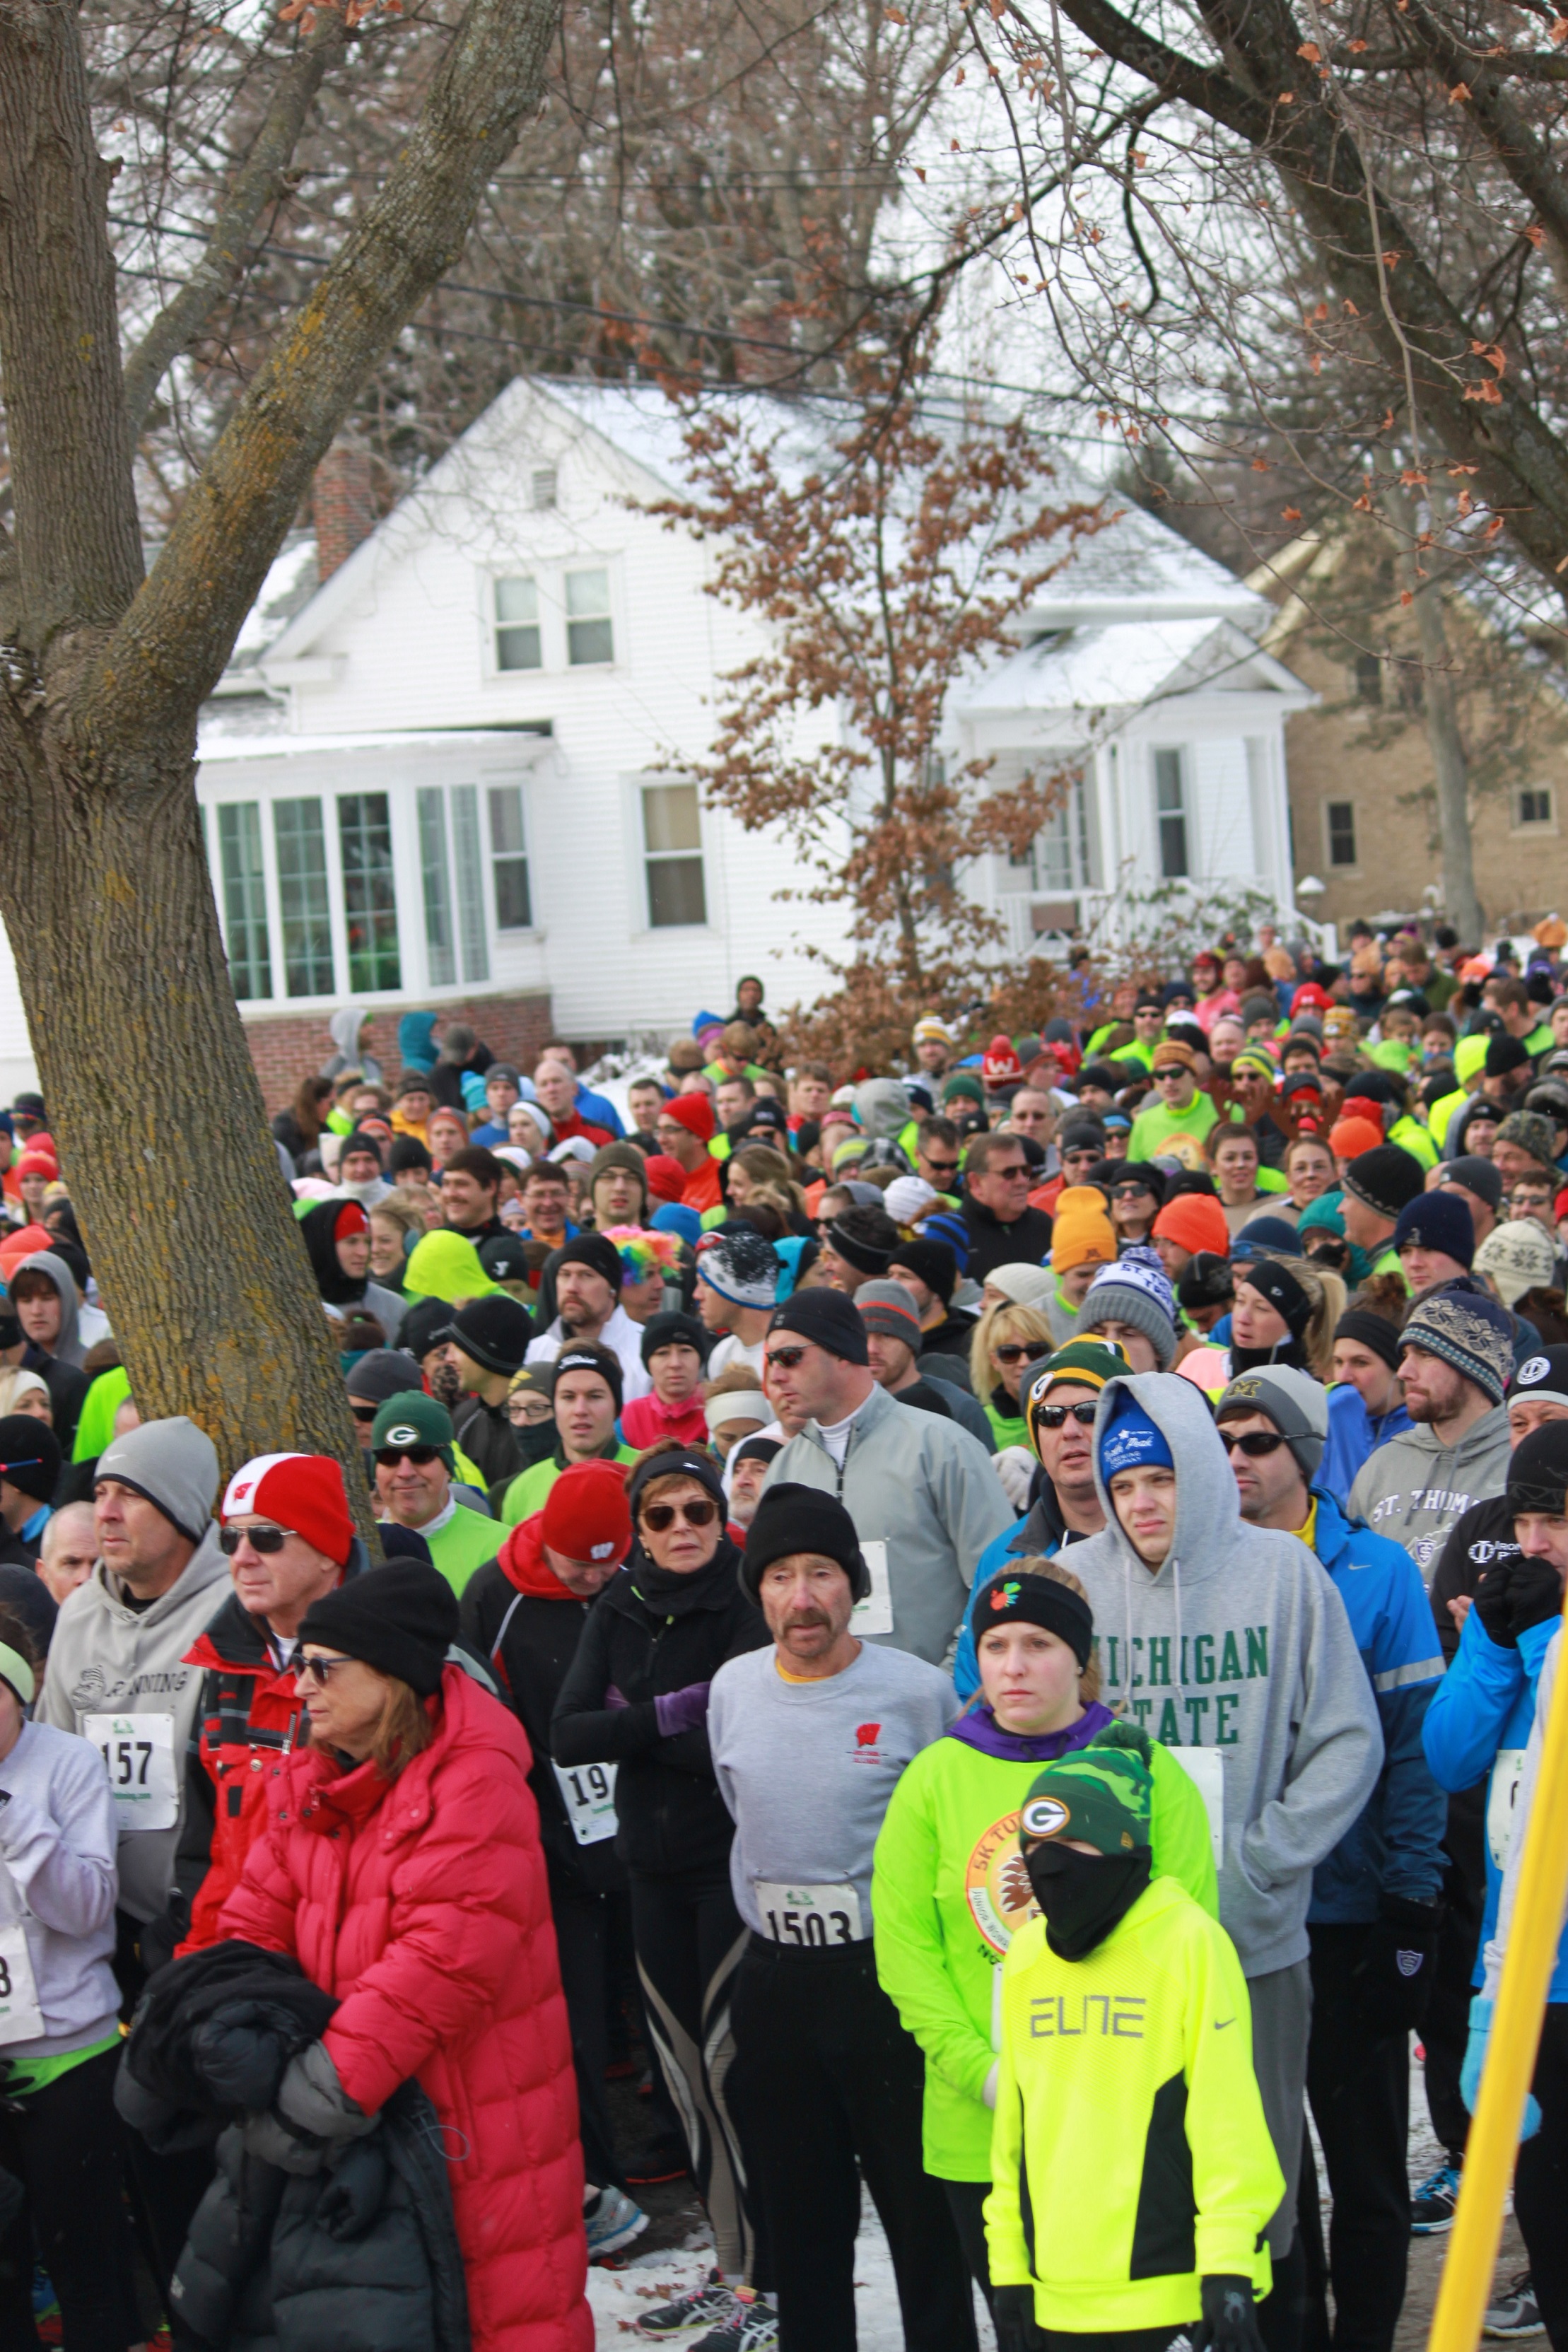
x: 708, y: 2306
x: 1432, y: 2205
x: 752, y: 2326
x: 612, y: 2222
x: 665, y: 2159
x: 1516, y: 2311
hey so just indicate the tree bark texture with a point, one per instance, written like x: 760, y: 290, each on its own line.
x: 1449, y: 768
x: 104, y: 885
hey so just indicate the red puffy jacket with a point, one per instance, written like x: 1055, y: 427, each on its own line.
x: 248, y: 1720
x: 421, y: 1903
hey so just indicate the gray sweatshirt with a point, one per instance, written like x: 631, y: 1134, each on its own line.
x: 57, y: 1881
x: 1418, y: 1490
x: 807, y: 1770
x: 925, y: 1488
x: 1238, y: 1643
x: 107, y: 1659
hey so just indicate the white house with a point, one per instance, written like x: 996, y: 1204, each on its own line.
x: 451, y: 772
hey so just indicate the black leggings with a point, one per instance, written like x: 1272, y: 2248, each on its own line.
x: 63, y: 2143
x: 1541, y: 2178
x: 688, y: 1938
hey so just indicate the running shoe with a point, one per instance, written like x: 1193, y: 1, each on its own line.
x: 612, y: 2222
x: 1432, y: 2205
x: 1516, y: 2311
x: 708, y: 2306
x: 665, y: 2159
x: 752, y: 2327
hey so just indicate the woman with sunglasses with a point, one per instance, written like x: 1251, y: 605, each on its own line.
x: 636, y: 1695
x: 1007, y: 1341
x: 401, y: 1866
x: 1137, y: 1190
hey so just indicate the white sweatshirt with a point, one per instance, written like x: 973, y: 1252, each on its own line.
x: 58, y: 1841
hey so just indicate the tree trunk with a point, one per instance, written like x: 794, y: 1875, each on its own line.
x: 1449, y: 768
x: 164, y: 1139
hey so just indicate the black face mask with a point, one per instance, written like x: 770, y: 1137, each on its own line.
x: 1084, y: 1895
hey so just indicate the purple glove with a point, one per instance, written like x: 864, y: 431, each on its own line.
x: 613, y: 1697
x: 681, y: 1710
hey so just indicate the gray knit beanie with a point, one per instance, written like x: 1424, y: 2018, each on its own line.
x: 1134, y: 1290
x: 174, y: 1464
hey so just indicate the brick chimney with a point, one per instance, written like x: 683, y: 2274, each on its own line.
x: 343, y: 504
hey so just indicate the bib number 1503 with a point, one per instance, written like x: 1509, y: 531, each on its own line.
x: 814, y: 1916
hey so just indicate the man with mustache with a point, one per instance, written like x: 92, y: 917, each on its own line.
x: 808, y: 1740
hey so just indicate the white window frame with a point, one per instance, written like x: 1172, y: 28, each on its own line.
x: 506, y: 934
x: 646, y: 859
x: 583, y: 568
x: 496, y: 582
x: 1185, y: 811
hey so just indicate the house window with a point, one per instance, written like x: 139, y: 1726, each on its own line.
x: 1534, y: 804
x: 244, y: 899
x: 672, y: 835
x: 370, y: 894
x: 518, y: 643
x: 1170, y: 802
x: 508, y: 859
x: 299, y: 839
x: 590, y: 633
x: 1057, y: 859
x: 1368, y: 678
x: 449, y: 855
x: 542, y: 488
x: 1342, y: 833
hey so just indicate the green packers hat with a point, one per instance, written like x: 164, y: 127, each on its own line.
x: 412, y: 1418
x: 1085, y: 1363
x: 1102, y: 1796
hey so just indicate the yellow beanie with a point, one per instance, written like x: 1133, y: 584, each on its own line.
x: 1083, y: 1234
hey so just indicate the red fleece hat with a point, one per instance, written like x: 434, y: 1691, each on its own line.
x: 665, y: 1177
x: 1349, y: 1138
x: 27, y: 1241
x: 693, y: 1112
x: 351, y: 1219
x: 301, y: 1491
x: 585, y: 1513
x: 37, y: 1162
x: 1310, y: 998
x: 1194, y: 1220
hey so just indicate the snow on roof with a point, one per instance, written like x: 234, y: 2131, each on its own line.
x: 289, y: 586
x: 1125, y: 665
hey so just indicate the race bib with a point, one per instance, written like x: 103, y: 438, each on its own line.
x: 21, y: 2019
x: 1502, y: 1797
x: 1204, y: 1768
x: 819, y: 1915
x: 588, y: 1793
x: 874, y: 1614
x: 139, y: 1750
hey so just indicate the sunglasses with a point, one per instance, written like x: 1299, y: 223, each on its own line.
x: 1080, y: 1152
x: 1131, y: 1193
x: 1011, y: 1175
x: 389, y: 1456
x: 660, y: 1515
x: 363, y: 1411
x: 1169, y: 1077
x: 786, y: 1358
x: 319, y: 1671
x: 1256, y: 1442
x: 267, y: 1539
x: 940, y: 1167
x: 1014, y: 1351
x: 1053, y: 1416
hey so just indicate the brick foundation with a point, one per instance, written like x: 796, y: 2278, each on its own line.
x: 287, y: 1049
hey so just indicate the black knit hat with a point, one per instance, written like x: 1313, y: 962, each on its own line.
x: 598, y: 1252
x: 674, y: 1330
x: 1537, y: 1471
x: 384, y: 1372
x: 407, y: 1151
x: 400, y: 1619
x: 423, y: 1321
x: 1504, y: 1053
x: 1011, y: 1599
x: 495, y: 1331
x: 936, y: 1263
x: 1369, y: 1329
x: 29, y: 1455
x: 675, y: 1462
x: 829, y: 1318
x: 792, y: 1518
x: 1384, y: 1178
x: 866, y: 1238
x: 593, y: 1356
x: 505, y: 1258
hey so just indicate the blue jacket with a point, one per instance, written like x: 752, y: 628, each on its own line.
x: 1395, y: 1846
x: 1353, y: 1435
x: 1480, y: 1721
x: 1038, y: 1535
x: 598, y: 1110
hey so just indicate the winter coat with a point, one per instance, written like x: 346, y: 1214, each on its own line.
x: 1416, y: 1488
x: 926, y: 1489
x: 1238, y: 1643
x: 422, y: 1904
x: 488, y: 1439
x: 517, y: 1613
x: 247, y: 1722
x: 1025, y: 1242
x: 650, y: 1634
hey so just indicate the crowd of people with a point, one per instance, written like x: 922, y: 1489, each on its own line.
x: 987, y: 1620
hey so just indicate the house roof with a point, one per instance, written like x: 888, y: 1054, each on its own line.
x: 1128, y: 665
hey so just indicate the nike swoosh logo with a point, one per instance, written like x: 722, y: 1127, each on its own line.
x: 1221, y: 2023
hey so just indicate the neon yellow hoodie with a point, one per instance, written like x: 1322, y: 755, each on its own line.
x: 1129, y: 2157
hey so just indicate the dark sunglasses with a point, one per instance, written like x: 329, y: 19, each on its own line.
x: 319, y: 1671
x: 1081, y: 1151
x: 786, y: 1358
x: 389, y: 1456
x: 268, y: 1539
x: 940, y: 1167
x: 1014, y: 1351
x: 1053, y: 1416
x: 363, y: 1411
x: 1256, y: 1442
x: 1131, y: 1193
x: 698, y: 1514
x: 1020, y: 1168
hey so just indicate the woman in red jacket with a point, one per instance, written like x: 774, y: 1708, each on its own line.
x: 402, y: 1868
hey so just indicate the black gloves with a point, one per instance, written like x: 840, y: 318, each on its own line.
x: 1012, y: 2309
x: 1394, y: 1982
x: 1515, y: 1593
x: 1229, y: 2323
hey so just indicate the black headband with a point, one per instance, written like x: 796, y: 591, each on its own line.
x: 1284, y: 1293
x: 866, y: 1257
x: 1019, y: 1600
x: 1373, y: 1331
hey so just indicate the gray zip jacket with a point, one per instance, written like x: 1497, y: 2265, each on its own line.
x: 1239, y: 1643
x: 1417, y: 1489
x: 106, y: 1658
x: 927, y: 1489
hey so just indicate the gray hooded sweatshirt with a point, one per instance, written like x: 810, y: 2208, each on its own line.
x: 108, y: 1659
x: 1239, y: 1644
x: 1417, y: 1489
x: 67, y: 1347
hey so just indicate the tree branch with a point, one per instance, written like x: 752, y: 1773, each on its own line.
x: 256, y: 185
x: 169, y: 650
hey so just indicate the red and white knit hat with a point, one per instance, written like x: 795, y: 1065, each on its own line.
x: 302, y: 1492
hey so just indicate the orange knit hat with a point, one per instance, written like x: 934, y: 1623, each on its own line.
x: 1083, y: 1234
x: 1194, y: 1220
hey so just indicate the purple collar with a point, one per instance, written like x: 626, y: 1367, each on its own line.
x: 979, y: 1728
